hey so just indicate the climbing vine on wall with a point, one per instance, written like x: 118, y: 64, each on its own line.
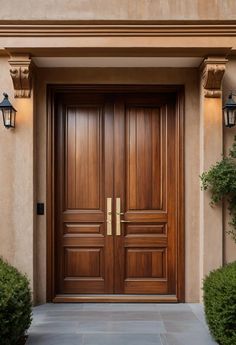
x: 220, y: 180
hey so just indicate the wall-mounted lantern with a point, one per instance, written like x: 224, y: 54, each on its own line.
x: 8, y: 112
x: 229, y: 111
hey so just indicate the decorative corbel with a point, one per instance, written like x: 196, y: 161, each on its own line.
x: 212, y: 72
x: 20, y: 70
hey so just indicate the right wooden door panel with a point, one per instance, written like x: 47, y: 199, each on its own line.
x: 145, y: 180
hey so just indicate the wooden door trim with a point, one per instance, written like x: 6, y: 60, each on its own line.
x: 52, y: 90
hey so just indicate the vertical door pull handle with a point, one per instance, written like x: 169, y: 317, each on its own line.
x: 118, y: 230
x: 109, y: 216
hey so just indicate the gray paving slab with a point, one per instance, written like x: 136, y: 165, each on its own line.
x: 179, y: 307
x: 122, y: 339
x: 119, y: 324
x: 183, y: 326
x: 91, y: 315
x: 56, y: 327
x: 187, y: 338
x: 178, y: 316
x: 120, y: 306
x: 198, y: 311
x: 135, y: 327
x: 55, y: 339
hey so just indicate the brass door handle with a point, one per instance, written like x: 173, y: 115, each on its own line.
x: 109, y: 216
x: 118, y: 220
x: 118, y: 230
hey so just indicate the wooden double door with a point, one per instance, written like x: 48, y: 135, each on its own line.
x: 117, y: 169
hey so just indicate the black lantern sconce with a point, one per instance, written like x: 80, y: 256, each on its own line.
x: 8, y: 112
x: 229, y: 111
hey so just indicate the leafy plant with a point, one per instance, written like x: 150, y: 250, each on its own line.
x: 15, y: 305
x: 220, y: 180
x: 220, y: 304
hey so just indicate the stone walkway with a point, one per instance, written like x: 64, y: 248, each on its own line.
x: 119, y: 324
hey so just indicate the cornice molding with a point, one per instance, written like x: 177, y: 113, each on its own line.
x: 133, y: 28
x: 212, y: 72
x: 20, y: 71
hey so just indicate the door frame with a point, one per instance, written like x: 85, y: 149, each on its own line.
x: 52, y: 90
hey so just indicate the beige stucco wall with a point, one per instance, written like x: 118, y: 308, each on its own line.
x: 211, y: 219
x: 229, y: 83
x: 17, y: 181
x: 118, y: 9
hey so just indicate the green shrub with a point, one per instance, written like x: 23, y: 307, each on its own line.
x: 220, y: 180
x: 15, y: 305
x: 220, y: 304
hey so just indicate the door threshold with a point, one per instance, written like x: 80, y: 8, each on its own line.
x: 114, y: 298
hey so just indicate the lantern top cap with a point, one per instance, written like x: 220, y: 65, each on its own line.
x: 230, y: 103
x: 6, y: 103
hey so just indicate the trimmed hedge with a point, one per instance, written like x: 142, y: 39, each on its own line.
x: 220, y: 304
x: 15, y: 305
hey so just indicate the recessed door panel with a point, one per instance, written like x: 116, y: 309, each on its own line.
x: 83, y: 158
x: 143, y: 160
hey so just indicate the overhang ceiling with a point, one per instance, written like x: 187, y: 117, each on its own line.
x: 70, y: 62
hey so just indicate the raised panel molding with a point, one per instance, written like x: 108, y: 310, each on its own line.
x: 21, y: 73
x: 145, y: 229
x: 212, y: 72
x: 144, y: 166
x: 83, y: 262
x: 83, y: 158
x: 83, y: 229
x: 146, y: 263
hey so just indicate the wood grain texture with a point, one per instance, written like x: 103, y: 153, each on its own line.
x: 81, y: 263
x: 143, y: 158
x: 125, y: 146
x: 82, y: 247
x: 147, y: 198
x: 145, y: 263
x: 83, y: 166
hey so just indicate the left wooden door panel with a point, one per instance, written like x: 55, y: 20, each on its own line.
x: 83, y: 249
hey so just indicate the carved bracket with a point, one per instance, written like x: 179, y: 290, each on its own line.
x: 20, y: 70
x: 212, y: 72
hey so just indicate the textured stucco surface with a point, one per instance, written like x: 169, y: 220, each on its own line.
x: 211, y: 219
x: 117, y: 9
x: 17, y: 181
x: 229, y: 83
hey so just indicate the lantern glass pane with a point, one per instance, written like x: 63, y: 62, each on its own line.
x: 226, y: 117
x: 7, y: 117
x: 231, y: 114
x: 231, y: 117
x: 13, y: 118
